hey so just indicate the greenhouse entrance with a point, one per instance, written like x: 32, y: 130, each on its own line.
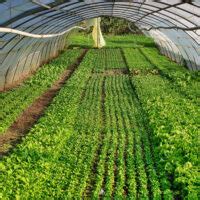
x: 107, y: 109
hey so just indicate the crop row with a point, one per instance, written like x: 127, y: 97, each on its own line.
x: 83, y: 145
x: 185, y: 81
x: 164, y: 123
x: 149, y: 61
x: 129, y: 41
x: 114, y: 41
x: 108, y: 59
x: 157, y: 180
x: 172, y: 121
x: 12, y: 103
x: 40, y: 166
x: 141, y: 177
x: 175, y: 131
x: 136, y: 60
x: 125, y: 166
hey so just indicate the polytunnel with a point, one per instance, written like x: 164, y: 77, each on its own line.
x: 99, y: 99
x: 173, y: 24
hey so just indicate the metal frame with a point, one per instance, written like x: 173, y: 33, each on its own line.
x: 55, y: 19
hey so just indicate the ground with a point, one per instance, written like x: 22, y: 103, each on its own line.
x: 119, y: 125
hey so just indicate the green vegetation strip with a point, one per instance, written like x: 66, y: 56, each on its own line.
x: 182, y: 80
x: 136, y: 61
x: 126, y: 167
x: 112, y: 41
x: 148, y: 61
x: 171, y: 117
x: 175, y: 131
x: 38, y: 164
x: 106, y: 59
x: 12, y: 103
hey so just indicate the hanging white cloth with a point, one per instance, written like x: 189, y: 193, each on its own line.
x: 97, y: 35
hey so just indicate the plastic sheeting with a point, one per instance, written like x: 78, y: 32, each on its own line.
x: 18, y: 53
x: 99, y: 41
x: 97, y: 35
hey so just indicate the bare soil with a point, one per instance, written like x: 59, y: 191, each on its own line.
x: 113, y: 72
x: 145, y: 72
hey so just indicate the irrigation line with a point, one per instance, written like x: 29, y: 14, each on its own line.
x: 32, y: 35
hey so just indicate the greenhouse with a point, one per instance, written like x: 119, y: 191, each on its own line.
x: 100, y: 99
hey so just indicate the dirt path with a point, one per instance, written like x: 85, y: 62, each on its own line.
x: 30, y: 116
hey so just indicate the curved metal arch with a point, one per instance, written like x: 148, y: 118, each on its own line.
x: 88, y: 9
x: 104, y: 3
x: 45, y: 21
x: 151, y: 21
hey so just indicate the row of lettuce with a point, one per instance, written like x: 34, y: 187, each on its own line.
x: 13, y: 102
x: 129, y: 170
x: 149, y: 61
x: 38, y: 166
x: 173, y: 117
x: 106, y: 59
